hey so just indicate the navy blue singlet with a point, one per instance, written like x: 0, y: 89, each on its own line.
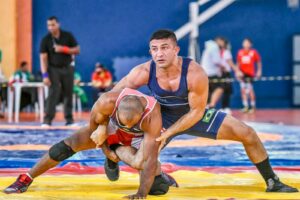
x: 171, y: 102
x: 175, y: 104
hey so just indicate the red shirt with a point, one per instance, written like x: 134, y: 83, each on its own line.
x: 133, y: 135
x: 247, y: 60
x: 102, y: 76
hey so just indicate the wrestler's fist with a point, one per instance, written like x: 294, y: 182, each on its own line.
x: 99, y: 135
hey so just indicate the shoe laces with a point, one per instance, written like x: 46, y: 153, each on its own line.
x: 22, y: 180
x: 271, y: 181
x: 171, y: 181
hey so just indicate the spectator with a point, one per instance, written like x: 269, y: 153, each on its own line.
x: 78, y: 90
x: 228, y: 64
x: 247, y: 58
x: 28, y: 95
x: 212, y: 64
x: 2, y: 80
x: 2, y: 77
x: 101, y: 80
x: 56, y: 51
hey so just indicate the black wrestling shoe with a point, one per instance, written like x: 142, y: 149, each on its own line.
x: 20, y: 185
x: 160, y: 186
x: 275, y: 185
x: 112, y: 170
x: 171, y: 181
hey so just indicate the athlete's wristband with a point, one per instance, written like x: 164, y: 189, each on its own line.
x: 45, y: 75
x: 66, y: 49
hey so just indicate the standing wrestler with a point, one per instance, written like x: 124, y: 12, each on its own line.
x: 181, y: 87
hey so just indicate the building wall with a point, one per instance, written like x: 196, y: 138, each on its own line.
x: 106, y: 29
x: 16, y: 34
x: 8, y: 36
x: 24, y: 31
x: 270, y: 24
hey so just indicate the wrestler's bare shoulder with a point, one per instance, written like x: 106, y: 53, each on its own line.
x: 143, y: 68
x: 195, y: 70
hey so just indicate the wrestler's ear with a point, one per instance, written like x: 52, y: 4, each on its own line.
x: 177, y: 49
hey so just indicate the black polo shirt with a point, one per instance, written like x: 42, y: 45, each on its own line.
x: 58, y: 59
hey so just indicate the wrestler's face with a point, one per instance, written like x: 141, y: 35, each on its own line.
x: 163, y: 51
x: 53, y: 26
x: 129, y: 122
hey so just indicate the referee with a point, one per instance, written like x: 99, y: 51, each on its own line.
x: 56, y: 51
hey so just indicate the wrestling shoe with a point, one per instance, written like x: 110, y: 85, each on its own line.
x: 275, y: 185
x: 20, y: 185
x: 171, y: 181
x: 162, y: 183
x: 112, y: 170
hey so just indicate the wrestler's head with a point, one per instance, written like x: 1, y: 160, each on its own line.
x: 130, y: 111
x: 164, y: 48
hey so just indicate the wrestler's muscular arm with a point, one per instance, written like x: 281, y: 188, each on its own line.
x: 198, y: 92
x: 136, y: 78
x: 152, y: 125
x: 99, y: 119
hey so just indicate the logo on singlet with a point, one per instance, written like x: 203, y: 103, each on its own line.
x: 209, y: 113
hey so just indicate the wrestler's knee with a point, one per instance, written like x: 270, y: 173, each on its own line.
x: 60, y: 151
x: 249, y: 136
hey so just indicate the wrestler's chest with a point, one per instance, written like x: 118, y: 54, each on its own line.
x: 170, y: 83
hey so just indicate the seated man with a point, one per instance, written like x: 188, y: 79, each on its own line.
x: 23, y: 75
x: 2, y: 88
x: 138, y: 114
x: 78, y: 90
x: 101, y: 80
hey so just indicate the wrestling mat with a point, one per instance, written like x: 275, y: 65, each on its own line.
x: 204, y: 169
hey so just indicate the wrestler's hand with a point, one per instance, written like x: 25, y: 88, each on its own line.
x: 162, y: 139
x: 95, y: 138
x: 99, y: 135
x: 135, y: 196
x: 113, y: 157
x: 110, y: 154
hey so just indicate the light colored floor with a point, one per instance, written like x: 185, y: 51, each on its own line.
x: 193, y: 185
x: 216, y: 182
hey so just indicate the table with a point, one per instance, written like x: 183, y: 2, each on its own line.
x: 17, y: 94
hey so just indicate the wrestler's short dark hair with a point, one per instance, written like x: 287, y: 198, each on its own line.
x: 163, y: 34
